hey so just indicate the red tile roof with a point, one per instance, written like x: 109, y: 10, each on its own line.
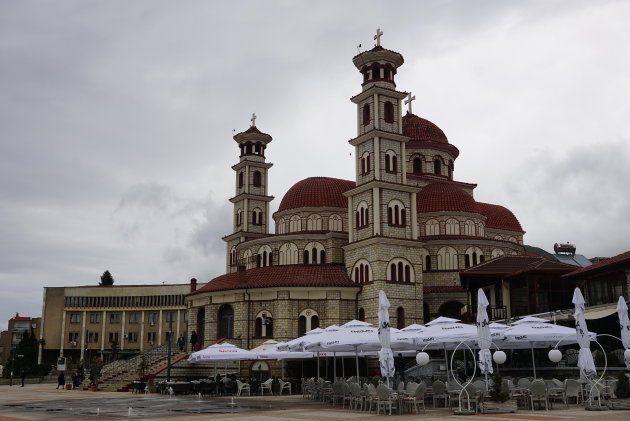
x: 317, y: 192
x: 623, y: 258
x: 282, y: 276
x: 516, y: 264
x: 499, y: 217
x: 419, y: 129
x: 445, y: 197
x: 438, y: 288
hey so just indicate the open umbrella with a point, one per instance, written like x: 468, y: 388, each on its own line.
x: 624, y: 325
x: 386, y: 357
x: 222, y: 352
x: 585, y: 357
x: 483, y: 332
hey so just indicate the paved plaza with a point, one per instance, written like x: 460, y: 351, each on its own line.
x: 43, y: 402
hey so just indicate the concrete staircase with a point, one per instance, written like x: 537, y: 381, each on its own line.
x: 120, y: 375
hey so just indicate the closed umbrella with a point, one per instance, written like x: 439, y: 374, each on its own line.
x: 483, y: 332
x: 585, y: 358
x: 386, y: 357
x: 624, y: 324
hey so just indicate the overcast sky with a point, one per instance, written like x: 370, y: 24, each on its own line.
x: 116, y: 121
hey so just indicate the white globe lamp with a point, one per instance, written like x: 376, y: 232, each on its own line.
x: 499, y: 357
x: 555, y: 355
x: 422, y: 358
x: 626, y: 355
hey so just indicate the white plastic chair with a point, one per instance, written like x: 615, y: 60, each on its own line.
x: 284, y: 386
x: 243, y: 387
x: 266, y: 386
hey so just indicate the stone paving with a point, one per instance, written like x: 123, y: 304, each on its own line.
x: 43, y: 402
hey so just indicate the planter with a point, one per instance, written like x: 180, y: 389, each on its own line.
x: 507, y: 407
x: 68, y: 387
x: 94, y: 388
x: 619, y: 404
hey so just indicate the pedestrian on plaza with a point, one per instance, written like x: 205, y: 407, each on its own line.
x: 193, y: 340
x: 73, y: 380
x: 23, y: 376
x: 61, y: 381
x: 181, y: 342
x: 399, y: 366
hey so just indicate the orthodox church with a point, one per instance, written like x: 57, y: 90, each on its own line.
x: 403, y: 225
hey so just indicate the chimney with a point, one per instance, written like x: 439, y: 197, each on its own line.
x: 193, y: 285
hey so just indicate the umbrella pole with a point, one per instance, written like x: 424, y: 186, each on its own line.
x: 318, y: 366
x: 335, y: 366
x: 356, y: 356
x: 446, y: 361
x: 282, y: 362
x: 533, y: 359
x: 343, y: 368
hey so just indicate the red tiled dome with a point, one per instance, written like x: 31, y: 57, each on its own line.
x: 418, y: 129
x: 317, y: 192
x: 445, y: 197
x: 499, y: 217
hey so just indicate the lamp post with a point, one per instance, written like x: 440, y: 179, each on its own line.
x: 12, y: 365
x: 169, y: 340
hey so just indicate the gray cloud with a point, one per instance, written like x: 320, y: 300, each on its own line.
x: 116, y: 122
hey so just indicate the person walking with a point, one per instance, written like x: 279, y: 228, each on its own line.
x: 181, y: 342
x: 194, y: 340
x: 23, y: 376
x: 61, y: 381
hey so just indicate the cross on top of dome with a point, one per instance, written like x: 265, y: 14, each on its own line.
x: 253, y: 120
x: 378, y: 36
x: 408, y: 101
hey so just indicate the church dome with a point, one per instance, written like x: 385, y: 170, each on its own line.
x: 317, y: 192
x: 500, y: 217
x: 420, y: 129
x: 445, y: 197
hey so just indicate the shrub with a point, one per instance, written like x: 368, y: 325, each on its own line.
x: 498, y: 393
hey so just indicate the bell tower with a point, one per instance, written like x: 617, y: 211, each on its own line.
x: 251, y: 201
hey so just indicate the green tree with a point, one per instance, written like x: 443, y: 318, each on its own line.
x: 498, y: 392
x: 106, y: 279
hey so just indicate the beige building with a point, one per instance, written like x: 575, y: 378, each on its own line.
x: 404, y: 225
x: 101, y: 320
x: 11, y: 337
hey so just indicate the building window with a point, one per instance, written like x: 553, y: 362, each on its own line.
x: 257, y: 179
x: 362, y: 272
x: 447, y: 258
x: 388, y: 109
x: 452, y: 227
x: 469, y: 228
x: 233, y: 256
x: 391, y: 162
x: 432, y: 227
x: 95, y: 318
x: 264, y: 256
x: 313, y: 252
x: 295, y: 224
x: 281, y: 226
x: 134, y: 317
x: 152, y: 318
x: 497, y: 253
x: 73, y: 338
x: 366, y: 114
x: 307, y: 321
x: 399, y: 270
x: 113, y: 337
x: 257, y: 217
x: 114, y: 318
x: 396, y: 214
x: 314, y: 223
x: 437, y: 166
x: 473, y: 256
x: 362, y: 215
x: 241, y: 179
x: 288, y: 254
x: 75, y: 318
x: 417, y: 165
x: 366, y: 167
x: 335, y: 223
x: 151, y: 336
x: 92, y: 337
x: 427, y: 263
x: 263, y: 327
x: 400, y: 318
x: 239, y: 218
x: 361, y: 315
x: 226, y: 322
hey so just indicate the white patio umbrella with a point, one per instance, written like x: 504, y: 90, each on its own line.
x: 386, y: 357
x: 483, y: 331
x: 585, y: 357
x: 222, y: 352
x: 624, y: 325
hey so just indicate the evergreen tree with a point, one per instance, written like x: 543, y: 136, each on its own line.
x: 106, y: 279
x: 498, y: 392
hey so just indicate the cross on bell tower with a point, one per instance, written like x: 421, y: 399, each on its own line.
x: 253, y: 120
x: 378, y: 36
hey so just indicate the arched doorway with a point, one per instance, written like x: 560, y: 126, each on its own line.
x: 452, y: 309
x: 201, y: 323
x: 225, y: 319
x: 259, y: 370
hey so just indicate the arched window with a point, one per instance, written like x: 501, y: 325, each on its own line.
x: 307, y: 321
x: 365, y: 163
x: 288, y: 254
x: 281, y: 226
x: 497, y: 253
x: 225, y: 319
x: 432, y: 227
x: 400, y: 270
x: 233, y: 256
x: 417, y: 165
x: 312, y: 252
x: 335, y: 223
x: 248, y: 148
x: 362, y: 272
x: 512, y: 239
x: 362, y: 215
x: 388, y: 111
x: 361, y: 315
x: 247, y: 259
x: 391, y: 161
x: 447, y: 258
x: 366, y: 114
x: 427, y: 262
x: 469, y: 227
x: 295, y: 224
x: 257, y: 217
x: 452, y: 227
x: 241, y: 179
x: 437, y: 166
x: 239, y: 217
x: 376, y: 72
x: 451, y: 167
x: 396, y: 214
x: 400, y: 318
x: 264, y: 256
x: 257, y: 179
x: 314, y: 223
x: 263, y: 327
x: 481, y: 232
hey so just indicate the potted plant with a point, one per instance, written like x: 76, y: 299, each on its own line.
x: 95, y: 373
x: 498, y: 401
x: 622, y: 393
